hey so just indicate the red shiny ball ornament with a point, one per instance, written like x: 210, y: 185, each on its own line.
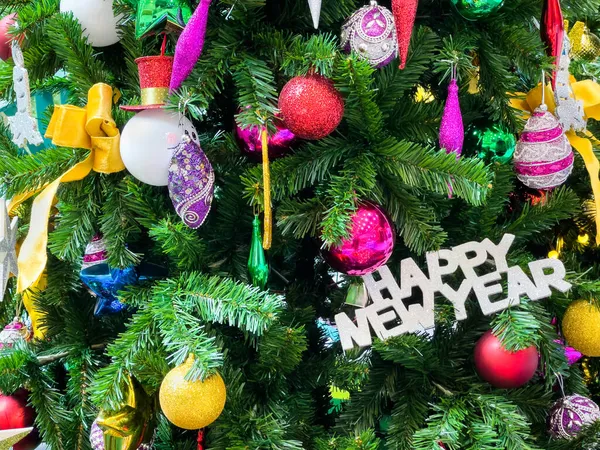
x: 369, y: 245
x: 311, y: 107
x: 14, y: 413
x: 5, y: 38
x: 501, y: 368
x: 280, y: 143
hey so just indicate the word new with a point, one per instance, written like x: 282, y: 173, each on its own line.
x: 389, y: 316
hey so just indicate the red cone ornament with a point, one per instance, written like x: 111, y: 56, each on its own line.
x: 404, y: 12
x: 501, y: 368
x: 369, y: 245
x: 552, y: 30
x: 311, y: 107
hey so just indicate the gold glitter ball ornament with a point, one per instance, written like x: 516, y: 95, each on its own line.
x: 584, y: 44
x: 191, y: 404
x: 581, y: 327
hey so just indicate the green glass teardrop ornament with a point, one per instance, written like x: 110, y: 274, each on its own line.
x: 257, y: 263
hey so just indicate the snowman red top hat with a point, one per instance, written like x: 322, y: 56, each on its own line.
x: 155, y: 76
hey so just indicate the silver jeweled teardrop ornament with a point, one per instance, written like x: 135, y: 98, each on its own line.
x: 370, y: 32
x: 191, y: 183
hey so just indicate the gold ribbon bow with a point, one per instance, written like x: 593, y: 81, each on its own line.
x: 587, y: 91
x: 91, y: 128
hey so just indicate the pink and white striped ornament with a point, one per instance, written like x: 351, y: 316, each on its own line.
x: 544, y: 157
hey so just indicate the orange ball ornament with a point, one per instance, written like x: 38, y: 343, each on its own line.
x: 191, y: 404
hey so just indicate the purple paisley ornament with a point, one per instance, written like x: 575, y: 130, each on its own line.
x: 191, y: 183
x: 452, y: 132
x: 370, y: 33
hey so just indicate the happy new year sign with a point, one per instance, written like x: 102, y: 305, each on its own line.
x: 389, y: 316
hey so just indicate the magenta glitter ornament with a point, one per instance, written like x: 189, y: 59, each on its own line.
x: 280, y: 143
x: 191, y: 183
x: 369, y: 245
x: 543, y: 158
x: 311, y: 106
x: 371, y: 33
x: 189, y: 45
x: 570, y: 414
x: 452, y: 132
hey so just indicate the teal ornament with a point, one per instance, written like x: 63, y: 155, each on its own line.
x: 496, y: 144
x: 257, y: 263
x: 476, y: 9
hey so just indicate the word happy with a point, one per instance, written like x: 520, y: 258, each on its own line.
x: 389, y: 316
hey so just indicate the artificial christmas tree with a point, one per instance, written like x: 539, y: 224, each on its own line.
x: 364, y: 190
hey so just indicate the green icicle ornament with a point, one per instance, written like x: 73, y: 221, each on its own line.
x: 257, y: 263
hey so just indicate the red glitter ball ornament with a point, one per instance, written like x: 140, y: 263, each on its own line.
x: 14, y: 413
x: 369, y: 245
x: 311, y: 106
x: 501, y: 368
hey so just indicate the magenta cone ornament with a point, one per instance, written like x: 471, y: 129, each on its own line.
x: 191, y: 182
x: 543, y: 158
x: 452, y: 132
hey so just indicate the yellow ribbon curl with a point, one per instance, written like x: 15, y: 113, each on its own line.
x: 587, y: 91
x: 91, y: 128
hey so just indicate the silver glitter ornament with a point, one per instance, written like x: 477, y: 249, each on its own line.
x: 8, y: 253
x: 370, y: 33
x: 315, y: 11
x: 569, y: 110
x: 22, y: 125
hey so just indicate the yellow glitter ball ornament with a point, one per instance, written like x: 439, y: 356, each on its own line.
x: 584, y: 44
x: 191, y: 404
x: 581, y: 327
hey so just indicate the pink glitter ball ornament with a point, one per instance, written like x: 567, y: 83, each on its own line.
x: 280, y: 143
x: 369, y: 245
x: 452, y: 131
x: 543, y: 158
x: 371, y: 33
x: 570, y: 414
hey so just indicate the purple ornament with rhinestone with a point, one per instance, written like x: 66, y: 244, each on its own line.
x: 570, y: 414
x: 370, y: 32
x: 191, y: 183
x: 543, y: 158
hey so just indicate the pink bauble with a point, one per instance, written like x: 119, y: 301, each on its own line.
x: 5, y: 38
x: 543, y: 158
x: 369, y: 245
x: 501, y: 368
x: 311, y: 107
x: 280, y: 143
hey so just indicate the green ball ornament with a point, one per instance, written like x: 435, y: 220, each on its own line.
x: 476, y: 9
x: 496, y: 144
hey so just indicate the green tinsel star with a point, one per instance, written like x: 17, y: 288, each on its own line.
x: 154, y: 16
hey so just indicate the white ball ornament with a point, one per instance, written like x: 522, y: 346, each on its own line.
x: 145, y: 149
x: 97, y: 19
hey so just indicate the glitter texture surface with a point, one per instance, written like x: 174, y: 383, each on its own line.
x: 155, y: 72
x: 581, y: 327
x: 584, y: 44
x: 311, y: 107
x: 191, y: 404
x: 405, y: 12
x: 570, y: 414
x: 191, y: 183
x: 369, y: 245
x: 370, y: 33
x: 452, y: 132
x: 189, y: 45
x: 543, y: 158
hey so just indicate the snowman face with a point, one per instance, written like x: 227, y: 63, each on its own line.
x: 188, y: 129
